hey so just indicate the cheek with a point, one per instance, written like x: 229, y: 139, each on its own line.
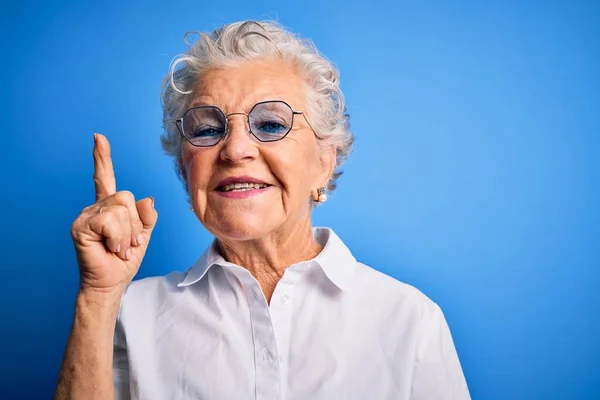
x: 296, y: 169
x: 198, y: 166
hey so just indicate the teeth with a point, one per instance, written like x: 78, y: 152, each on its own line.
x: 243, y: 186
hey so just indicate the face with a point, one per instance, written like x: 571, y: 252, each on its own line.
x: 292, y: 168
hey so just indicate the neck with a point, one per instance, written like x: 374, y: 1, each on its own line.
x: 267, y: 257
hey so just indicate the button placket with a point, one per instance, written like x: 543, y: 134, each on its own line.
x: 258, y: 295
x: 268, y: 376
x: 267, y: 356
x: 281, y: 309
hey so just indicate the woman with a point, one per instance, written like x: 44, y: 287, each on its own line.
x: 274, y: 309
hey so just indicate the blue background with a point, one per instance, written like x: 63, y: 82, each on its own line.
x: 475, y: 176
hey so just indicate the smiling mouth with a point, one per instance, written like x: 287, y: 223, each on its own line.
x: 242, y: 187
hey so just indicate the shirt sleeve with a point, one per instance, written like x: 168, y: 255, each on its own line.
x: 437, y: 372
x: 120, y: 363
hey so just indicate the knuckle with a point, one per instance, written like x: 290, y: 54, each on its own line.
x: 76, y: 226
x: 125, y: 196
x: 106, y: 218
x: 122, y: 218
x: 81, y: 216
x: 77, y: 236
x: 111, y: 228
x: 75, y: 229
x: 78, y: 230
x: 121, y: 210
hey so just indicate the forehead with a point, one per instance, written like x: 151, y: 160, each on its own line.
x: 236, y: 89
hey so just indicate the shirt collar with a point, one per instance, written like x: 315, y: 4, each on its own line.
x: 209, y: 258
x: 336, y: 260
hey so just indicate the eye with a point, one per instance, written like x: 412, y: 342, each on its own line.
x: 207, y: 131
x: 272, y: 127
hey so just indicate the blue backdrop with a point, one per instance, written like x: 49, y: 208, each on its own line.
x: 476, y: 173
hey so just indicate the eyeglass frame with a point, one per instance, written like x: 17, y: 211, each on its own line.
x: 179, y: 122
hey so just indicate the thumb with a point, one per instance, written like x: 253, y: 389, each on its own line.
x: 148, y: 216
x: 147, y: 213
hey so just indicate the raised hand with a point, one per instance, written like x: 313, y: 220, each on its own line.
x: 111, y: 236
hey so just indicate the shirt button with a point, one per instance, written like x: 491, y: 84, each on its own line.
x: 267, y: 356
x: 285, y: 298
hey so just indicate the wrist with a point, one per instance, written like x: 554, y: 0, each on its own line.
x: 99, y: 300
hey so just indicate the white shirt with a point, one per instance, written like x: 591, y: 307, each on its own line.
x: 335, y: 329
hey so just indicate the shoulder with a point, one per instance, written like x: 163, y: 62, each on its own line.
x: 155, y: 284
x: 147, y: 294
x: 388, y: 293
x: 368, y: 286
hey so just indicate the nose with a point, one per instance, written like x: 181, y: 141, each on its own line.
x: 238, y: 146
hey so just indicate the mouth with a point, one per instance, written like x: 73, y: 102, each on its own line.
x: 241, y: 184
x: 241, y: 187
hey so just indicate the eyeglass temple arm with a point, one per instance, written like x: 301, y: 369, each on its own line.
x: 179, y: 124
x: 307, y: 121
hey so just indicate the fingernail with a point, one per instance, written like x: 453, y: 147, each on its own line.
x: 140, y: 239
x: 118, y: 249
x: 128, y: 254
x: 95, y: 137
x: 152, y: 198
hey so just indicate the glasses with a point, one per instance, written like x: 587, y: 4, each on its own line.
x: 268, y: 121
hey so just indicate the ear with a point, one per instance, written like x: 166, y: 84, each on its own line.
x: 181, y: 169
x: 328, y: 163
x: 328, y: 160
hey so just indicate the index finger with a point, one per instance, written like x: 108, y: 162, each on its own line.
x: 104, y: 174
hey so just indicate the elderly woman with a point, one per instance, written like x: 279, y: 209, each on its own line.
x: 273, y: 309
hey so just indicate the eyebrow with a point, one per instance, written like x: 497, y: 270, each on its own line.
x: 196, y: 103
x: 211, y: 104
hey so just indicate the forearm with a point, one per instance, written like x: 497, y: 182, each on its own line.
x: 87, y: 366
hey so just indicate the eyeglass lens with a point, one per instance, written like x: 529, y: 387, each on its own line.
x: 268, y: 122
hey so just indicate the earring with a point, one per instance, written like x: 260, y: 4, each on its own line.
x: 322, y: 197
x: 191, y: 209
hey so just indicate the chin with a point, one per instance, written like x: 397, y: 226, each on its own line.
x: 241, y: 233
x: 248, y: 227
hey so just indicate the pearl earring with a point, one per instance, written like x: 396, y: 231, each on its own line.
x: 191, y: 208
x: 322, y: 197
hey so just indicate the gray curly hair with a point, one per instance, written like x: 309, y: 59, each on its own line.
x: 239, y: 42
